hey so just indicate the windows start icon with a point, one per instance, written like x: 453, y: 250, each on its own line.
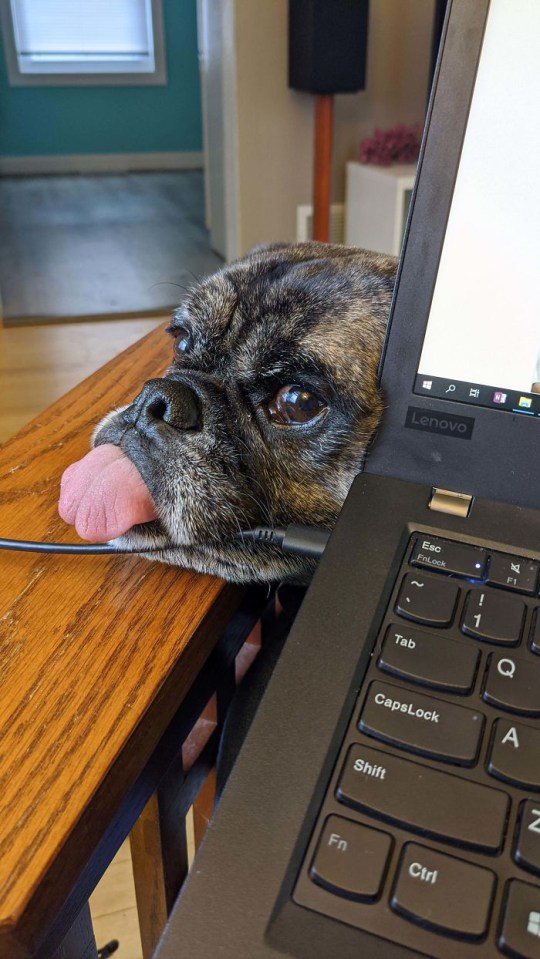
x: 533, y: 924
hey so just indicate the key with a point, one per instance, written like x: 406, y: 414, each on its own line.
x: 427, y: 800
x: 493, y: 617
x: 427, y: 600
x: 351, y: 859
x: 449, y: 557
x: 429, y: 659
x: 513, y: 572
x: 527, y: 845
x: 422, y: 724
x: 513, y: 754
x: 443, y: 893
x: 513, y: 684
x: 535, y: 632
x: 520, y: 933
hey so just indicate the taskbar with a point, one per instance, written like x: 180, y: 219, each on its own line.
x: 478, y: 394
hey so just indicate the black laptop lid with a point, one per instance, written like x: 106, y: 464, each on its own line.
x: 461, y: 358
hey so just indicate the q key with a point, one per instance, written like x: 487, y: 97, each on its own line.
x: 513, y: 683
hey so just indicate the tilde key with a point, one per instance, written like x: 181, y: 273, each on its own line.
x: 427, y: 599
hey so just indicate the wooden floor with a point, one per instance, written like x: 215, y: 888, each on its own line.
x: 37, y: 365
x: 101, y: 245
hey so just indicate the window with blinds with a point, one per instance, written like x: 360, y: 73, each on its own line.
x: 87, y: 37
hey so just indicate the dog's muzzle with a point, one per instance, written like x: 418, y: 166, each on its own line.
x: 163, y: 401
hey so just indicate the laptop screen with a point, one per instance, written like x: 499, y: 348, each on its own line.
x: 482, y: 341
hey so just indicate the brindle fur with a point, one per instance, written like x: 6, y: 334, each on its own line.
x: 307, y: 313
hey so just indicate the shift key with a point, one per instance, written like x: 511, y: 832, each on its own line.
x: 422, y: 724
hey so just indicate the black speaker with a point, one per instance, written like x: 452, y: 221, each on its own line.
x: 327, y: 45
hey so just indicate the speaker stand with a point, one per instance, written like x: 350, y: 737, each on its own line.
x: 322, y: 171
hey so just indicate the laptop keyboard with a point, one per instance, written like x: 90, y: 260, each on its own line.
x: 430, y: 829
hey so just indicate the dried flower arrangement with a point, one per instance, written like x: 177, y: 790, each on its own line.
x: 400, y: 144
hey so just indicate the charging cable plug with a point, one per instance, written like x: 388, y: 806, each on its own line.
x: 301, y: 540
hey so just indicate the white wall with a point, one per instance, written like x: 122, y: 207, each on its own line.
x: 268, y: 169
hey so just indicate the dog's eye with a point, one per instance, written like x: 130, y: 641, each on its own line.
x: 294, y: 405
x: 182, y: 342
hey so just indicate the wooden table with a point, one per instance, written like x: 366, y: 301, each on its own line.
x: 97, y: 655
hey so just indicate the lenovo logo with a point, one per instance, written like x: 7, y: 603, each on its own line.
x: 434, y: 421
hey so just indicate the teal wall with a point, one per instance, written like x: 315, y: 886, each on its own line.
x: 60, y: 120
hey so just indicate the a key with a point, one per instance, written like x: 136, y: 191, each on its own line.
x: 513, y: 754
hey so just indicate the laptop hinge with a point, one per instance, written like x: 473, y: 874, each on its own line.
x: 448, y: 501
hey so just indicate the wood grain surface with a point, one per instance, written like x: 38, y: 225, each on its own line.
x: 96, y: 654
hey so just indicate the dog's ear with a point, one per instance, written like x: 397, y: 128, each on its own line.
x: 379, y: 263
x: 263, y: 248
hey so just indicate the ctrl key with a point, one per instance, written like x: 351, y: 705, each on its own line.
x: 442, y: 892
x: 351, y: 859
x: 520, y: 930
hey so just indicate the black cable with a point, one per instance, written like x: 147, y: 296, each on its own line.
x: 302, y: 540
x: 29, y: 547
x: 294, y: 538
x: 108, y: 949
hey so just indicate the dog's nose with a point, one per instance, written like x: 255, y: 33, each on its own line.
x: 165, y: 401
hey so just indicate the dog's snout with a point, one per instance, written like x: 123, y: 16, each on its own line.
x: 165, y: 401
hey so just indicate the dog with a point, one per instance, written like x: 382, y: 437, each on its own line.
x: 262, y: 418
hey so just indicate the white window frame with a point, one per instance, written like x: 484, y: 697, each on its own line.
x: 121, y: 76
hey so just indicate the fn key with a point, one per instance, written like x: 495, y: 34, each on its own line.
x: 351, y: 859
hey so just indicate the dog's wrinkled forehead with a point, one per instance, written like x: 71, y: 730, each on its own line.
x: 269, y: 307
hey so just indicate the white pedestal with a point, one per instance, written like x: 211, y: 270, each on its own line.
x: 376, y: 207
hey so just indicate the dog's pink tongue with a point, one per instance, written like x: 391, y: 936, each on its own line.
x: 103, y: 495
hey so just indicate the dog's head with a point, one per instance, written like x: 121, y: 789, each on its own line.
x: 264, y: 415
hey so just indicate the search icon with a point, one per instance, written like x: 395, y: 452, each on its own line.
x: 451, y: 388
x: 506, y: 667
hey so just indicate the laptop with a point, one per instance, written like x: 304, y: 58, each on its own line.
x: 386, y: 802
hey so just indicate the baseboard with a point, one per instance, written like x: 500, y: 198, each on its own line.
x: 162, y: 312
x: 99, y: 163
